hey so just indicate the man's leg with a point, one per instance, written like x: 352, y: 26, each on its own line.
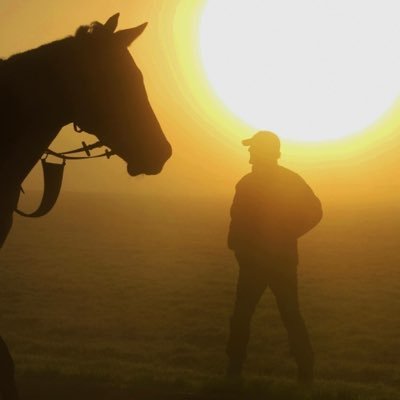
x: 283, y: 283
x: 250, y: 287
x: 8, y: 389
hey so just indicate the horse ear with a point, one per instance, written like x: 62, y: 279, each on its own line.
x: 127, y: 36
x: 112, y: 23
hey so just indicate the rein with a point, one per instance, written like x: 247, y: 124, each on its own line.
x: 53, y: 174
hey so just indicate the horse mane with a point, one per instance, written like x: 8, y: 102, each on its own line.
x: 95, y: 29
x: 42, y: 52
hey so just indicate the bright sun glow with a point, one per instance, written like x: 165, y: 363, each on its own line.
x: 310, y: 70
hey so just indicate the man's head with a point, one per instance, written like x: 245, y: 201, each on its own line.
x: 264, y: 148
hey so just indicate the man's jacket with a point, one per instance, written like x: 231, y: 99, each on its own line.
x: 271, y: 209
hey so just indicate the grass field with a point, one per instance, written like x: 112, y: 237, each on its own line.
x: 123, y: 297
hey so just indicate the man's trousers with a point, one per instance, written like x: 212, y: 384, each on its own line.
x: 257, y: 272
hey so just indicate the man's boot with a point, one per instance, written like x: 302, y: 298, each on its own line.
x: 305, y: 374
x: 234, y: 369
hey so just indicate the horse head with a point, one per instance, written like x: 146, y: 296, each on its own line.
x: 109, y: 98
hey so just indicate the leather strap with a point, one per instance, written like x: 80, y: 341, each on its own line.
x: 52, y: 176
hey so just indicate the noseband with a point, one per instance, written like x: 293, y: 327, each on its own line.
x: 85, y: 148
x: 53, y: 173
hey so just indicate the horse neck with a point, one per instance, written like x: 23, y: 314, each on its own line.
x: 33, y: 104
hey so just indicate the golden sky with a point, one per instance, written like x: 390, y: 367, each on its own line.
x: 208, y: 158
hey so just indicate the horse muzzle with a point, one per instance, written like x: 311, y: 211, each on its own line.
x: 135, y: 171
x: 150, y: 167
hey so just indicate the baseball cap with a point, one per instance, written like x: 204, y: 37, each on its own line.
x: 264, y: 139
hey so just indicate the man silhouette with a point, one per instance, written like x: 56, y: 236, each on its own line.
x: 272, y: 208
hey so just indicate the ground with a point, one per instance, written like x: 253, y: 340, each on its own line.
x: 124, y: 297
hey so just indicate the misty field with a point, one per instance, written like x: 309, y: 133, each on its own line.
x: 124, y: 297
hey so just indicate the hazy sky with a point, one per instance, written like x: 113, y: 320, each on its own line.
x: 208, y: 157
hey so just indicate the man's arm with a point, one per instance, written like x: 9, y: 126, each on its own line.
x: 235, y: 212
x: 310, y: 210
x: 241, y: 213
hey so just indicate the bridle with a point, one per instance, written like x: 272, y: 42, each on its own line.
x: 65, y: 155
x: 53, y: 173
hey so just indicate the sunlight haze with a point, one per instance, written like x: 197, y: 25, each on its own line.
x: 312, y: 71
x: 142, y: 279
x: 204, y: 132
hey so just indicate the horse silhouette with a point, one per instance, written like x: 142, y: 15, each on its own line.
x: 89, y: 79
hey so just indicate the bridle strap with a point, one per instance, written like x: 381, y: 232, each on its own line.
x: 77, y: 128
x: 53, y: 174
x: 85, y: 148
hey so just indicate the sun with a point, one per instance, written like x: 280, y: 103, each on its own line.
x: 309, y: 70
